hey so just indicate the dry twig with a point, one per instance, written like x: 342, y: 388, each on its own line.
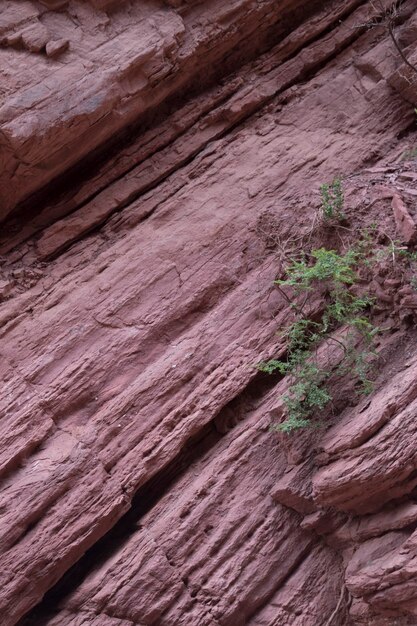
x: 343, y: 592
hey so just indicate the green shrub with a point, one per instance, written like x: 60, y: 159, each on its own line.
x: 309, y: 391
x: 332, y: 200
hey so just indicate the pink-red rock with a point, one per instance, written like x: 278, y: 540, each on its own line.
x: 142, y: 298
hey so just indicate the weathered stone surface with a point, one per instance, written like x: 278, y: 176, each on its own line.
x: 119, y: 66
x: 54, y: 48
x: 215, y: 549
x: 407, y: 228
x: 378, y: 438
x: 135, y: 435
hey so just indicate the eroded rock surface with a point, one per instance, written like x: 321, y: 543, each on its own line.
x: 141, y: 484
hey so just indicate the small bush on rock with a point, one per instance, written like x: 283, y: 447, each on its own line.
x: 332, y: 200
x: 336, y: 275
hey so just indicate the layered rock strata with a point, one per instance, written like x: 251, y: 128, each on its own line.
x: 141, y: 482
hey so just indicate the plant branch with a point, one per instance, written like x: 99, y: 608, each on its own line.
x: 292, y: 304
x: 398, y: 47
x: 338, y: 605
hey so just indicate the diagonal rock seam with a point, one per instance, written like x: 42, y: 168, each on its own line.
x: 134, y: 196
x: 344, y: 13
x: 232, y: 56
x: 203, y: 443
x: 122, y: 348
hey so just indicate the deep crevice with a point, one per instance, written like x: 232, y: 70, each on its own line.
x: 89, y: 165
x: 204, y: 442
x: 300, y: 79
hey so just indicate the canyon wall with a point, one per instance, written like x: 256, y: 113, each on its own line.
x: 155, y: 158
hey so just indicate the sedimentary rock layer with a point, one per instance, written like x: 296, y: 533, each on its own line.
x: 80, y: 74
x: 141, y: 482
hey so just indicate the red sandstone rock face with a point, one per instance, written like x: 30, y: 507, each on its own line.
x: 141, y: 482
x: 114, y: 68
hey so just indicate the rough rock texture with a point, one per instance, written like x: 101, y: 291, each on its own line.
x: 141, y: 484
x: 111, y: 69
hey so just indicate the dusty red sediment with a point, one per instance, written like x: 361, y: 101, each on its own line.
x: 128, y: 352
